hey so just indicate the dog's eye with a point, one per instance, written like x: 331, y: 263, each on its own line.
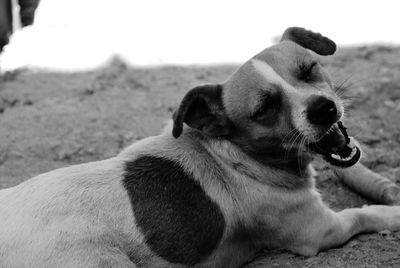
x: 259, y: 111
x: 306, y: 72
x: 267, y: 109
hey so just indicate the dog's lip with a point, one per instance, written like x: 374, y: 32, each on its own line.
x: 337, y: 147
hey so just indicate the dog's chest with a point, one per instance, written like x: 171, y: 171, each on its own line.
x: 180, y: 222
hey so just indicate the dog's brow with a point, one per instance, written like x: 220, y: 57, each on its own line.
x: 269, y: 74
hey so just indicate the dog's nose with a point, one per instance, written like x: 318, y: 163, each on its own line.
x: 322, y: 111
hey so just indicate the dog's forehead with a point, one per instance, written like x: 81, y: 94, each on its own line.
x: 274, y: 68
x: 285, y: 57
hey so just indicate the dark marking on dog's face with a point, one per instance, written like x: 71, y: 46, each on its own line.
x: 286, y: 77
x: 289, y: 71
x: 180, y: 222
x: 278, y: 102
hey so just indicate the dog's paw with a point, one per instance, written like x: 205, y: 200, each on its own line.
x: 384, y: 217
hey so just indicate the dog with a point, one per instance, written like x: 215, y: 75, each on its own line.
x: 230, y: 175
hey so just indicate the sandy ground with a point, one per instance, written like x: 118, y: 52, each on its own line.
x: 50, y: 120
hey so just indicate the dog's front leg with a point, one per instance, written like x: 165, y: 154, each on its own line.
x: 323, y: 228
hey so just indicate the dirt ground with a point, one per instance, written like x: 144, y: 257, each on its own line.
x: 50, y: 120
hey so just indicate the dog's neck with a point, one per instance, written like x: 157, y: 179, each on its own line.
x: 292, y: 160
x: 262, y: 167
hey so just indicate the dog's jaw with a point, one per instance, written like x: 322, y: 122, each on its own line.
x: 337, y: 147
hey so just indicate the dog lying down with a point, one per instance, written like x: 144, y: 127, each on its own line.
x: 231, y: 175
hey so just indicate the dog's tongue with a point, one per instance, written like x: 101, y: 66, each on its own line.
x: 337, y: 147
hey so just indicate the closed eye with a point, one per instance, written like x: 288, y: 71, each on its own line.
x: 306, y: 72
x: 267, y: 108
x: 262, y: 105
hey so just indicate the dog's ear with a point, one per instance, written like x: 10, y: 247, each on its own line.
x: 202, y: 108
x: 310, y: 40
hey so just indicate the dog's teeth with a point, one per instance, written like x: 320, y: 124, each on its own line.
x: 352, y: 143
x: 348, y: 158
x: 353, y: 152
x: 352, y: 146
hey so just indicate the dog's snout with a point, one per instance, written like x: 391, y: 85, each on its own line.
x: 322, y: 111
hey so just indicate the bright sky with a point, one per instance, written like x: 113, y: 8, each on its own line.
x: 80, y: 34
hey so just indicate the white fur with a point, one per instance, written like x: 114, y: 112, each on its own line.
x: 65, y: 217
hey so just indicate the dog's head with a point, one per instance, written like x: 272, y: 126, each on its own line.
x: 280, y: 106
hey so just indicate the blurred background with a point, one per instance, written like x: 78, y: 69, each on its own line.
x: 76, y: 34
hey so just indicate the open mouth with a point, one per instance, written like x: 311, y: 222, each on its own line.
x: 337, y: 147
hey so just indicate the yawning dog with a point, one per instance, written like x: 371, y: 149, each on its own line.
x: 229, y: 176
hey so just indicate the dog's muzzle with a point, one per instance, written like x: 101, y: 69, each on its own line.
x: 337, y: 147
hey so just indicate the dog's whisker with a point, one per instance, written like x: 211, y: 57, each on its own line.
x: 299, y: 154
x: 297, y: 136
x: 288, y: 135
x: 288, y: 148
x: 341, y: 88
x: 346, y: 80
x: 347, y: 103
x: 293, y: 140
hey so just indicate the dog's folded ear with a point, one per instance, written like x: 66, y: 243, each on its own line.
x: 310, y: 40
x: 202, y: 109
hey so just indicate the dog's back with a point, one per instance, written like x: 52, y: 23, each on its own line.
x: 46, y: 219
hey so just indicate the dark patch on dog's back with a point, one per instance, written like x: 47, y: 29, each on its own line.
x: 180, y: 222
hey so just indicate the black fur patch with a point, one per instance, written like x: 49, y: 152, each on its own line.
x: 180, y: 222
x: 202, y: 108
x: 268, y: 109
x: 308, y: 39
